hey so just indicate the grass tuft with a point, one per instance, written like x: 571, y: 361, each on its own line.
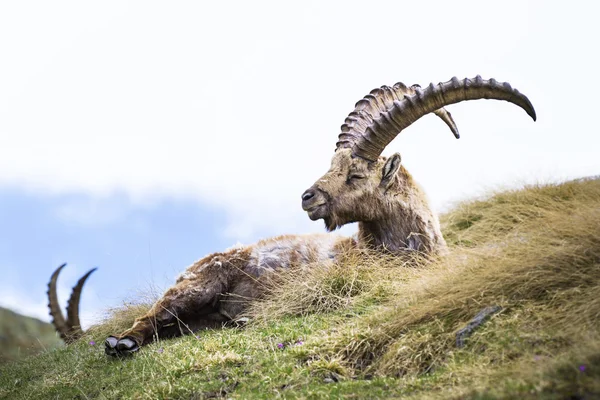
x: 358, y: 280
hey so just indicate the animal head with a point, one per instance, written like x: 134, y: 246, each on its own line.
x: 361, y: 184
x: 352, y: 190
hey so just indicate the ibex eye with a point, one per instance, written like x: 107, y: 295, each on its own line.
x: 353, y: 177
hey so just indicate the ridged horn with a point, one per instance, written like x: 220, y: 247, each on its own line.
x: 443, y: 114
x: 373, y: 125
x: 69, y: 330
x: 57, y: 316
x: 73, y: 306
x: 376, y: 102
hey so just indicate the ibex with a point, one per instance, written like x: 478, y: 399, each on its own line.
x: 361, y: 186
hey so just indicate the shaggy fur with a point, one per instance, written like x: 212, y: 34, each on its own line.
x: 218, y: 287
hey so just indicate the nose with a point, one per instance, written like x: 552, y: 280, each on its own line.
x: 309, y: 194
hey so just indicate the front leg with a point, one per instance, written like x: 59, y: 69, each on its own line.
x: 189, y: 303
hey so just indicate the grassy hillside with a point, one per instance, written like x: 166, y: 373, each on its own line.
x: 21, y: 336
x: 373, y: 326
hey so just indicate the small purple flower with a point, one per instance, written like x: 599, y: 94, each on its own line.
x: 280, y: 345
x: 582, y: 368
x: 92, y: 343
x: 299, y: 342
x: 160, y: 350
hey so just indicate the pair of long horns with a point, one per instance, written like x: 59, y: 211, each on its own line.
x: 69, y: 329
x: 382, y: 114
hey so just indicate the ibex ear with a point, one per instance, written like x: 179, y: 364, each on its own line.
x: 389, y: 170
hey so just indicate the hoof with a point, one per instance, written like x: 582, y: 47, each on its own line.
x: 110, y: 345
x: 127, y: 346
x: 120, y: 347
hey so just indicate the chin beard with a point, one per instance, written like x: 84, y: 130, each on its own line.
x: 334, y: 222
x: 330, y: 225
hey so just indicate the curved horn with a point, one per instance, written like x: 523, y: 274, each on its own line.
x: 57, y: 316
x: 69, y: 330
x: 443, y: 114
x: 371, y: 127
x: 378, y: 101
x: 447, y: 118
x: 73, y: 306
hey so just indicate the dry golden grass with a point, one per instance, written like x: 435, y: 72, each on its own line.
x: 118, y: 319
x: 359, y: 277
x: 534, y: 252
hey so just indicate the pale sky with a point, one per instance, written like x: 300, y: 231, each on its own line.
x: 230, y: 110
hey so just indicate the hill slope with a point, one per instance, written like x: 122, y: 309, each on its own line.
x: 376, y: 326
x: 21, y: 336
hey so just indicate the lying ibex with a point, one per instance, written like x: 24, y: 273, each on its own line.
x: 361, y: 186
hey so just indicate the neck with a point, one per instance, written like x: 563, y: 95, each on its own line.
x: 407, y: 222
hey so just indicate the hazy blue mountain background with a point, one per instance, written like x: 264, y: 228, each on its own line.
x: 21, y: 336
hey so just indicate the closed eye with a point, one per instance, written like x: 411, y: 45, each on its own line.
x: 356, y: 177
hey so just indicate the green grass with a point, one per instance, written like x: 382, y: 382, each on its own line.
x: 381, y: 327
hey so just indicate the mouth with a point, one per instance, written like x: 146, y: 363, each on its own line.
x: 317, y: 212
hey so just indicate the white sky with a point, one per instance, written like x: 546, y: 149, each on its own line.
x: 238, y: 104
